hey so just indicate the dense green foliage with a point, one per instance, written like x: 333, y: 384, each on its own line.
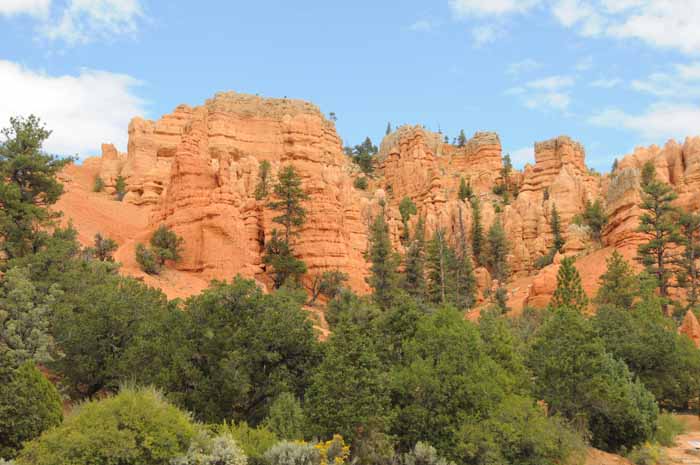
x: 402, y: 375
x: 363, y: 155
x: 164, y: 245
x: 136, y: 427
x: 29, y: 405
x: 262, y: 189
x: 120, y: 188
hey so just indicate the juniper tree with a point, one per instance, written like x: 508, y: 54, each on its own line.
x: 506, y: 170
x: 618, y: 285
x: 104, y: 248
x: 414, y: 279
x: 388, y: 128
x: 383, y: 276
x: 569, y: 292
x: 466, y: 281
x: 28, y: 186
x: 658, y: 223
x: 120, y: 188
x: 595, y: 218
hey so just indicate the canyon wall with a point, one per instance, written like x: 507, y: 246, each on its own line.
x: 196, y: 170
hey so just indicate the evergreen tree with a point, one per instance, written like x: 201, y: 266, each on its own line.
x: 348, y: 392
x: 441, y: 263
x: 383, y: 276
x: 262, y: 188
x: 120, y: 188
x: 595, y: 218
x: 329, y: 284
x: 414, y: 281
x: 406, y: 208
x: 28, y: 186
x: 465, y: 190
x: 286, y: 418
x: 659, y: 224
x: 104, y: 248
x: 477, y: 232
x: 555, y: 225
x: 569, y: 292
x: 506, y: 170
x: 363, y: 155
x: 461, y: 139
x: 497, y: 253
x: 466, y: 281
x: 688, y: 274
x: 388, y: 128
x: 618, y: 285
x: 279, y: 252
x: 614, y: 166
x: 166, y: 245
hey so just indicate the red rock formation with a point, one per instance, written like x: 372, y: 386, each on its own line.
x: 691, y: 328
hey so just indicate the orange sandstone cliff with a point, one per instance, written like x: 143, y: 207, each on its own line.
x: 196, y: 170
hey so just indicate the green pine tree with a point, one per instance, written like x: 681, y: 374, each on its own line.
x: 688, y: 274
x: 497, y: 252
x: 595, y: 218
x: 569, y: 292
x: 383, y: 277
x: 388, y: 128
x: 555, y: 225
x: 262, y: 188
x: 414, y: 280
x: 477, y: 232
x: 406, y: 208
x: 618, y: 285
x: 461, y: 139
x: 506, y: 170
x: 441, y: 263
x: 466, y: 280
x: 465, y: 190
x: 660, y: 226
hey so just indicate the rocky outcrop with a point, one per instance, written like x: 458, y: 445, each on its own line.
x: 691, y: 328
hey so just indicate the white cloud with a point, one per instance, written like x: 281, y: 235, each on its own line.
x: 552, y: 83
x: 480, y: 8
x: 549, y: 100
x: 659, y: 121
x: 485, y: 34
x: 38, y: 8
x: 524, y: 66
x: 681, y: 82
x: 606, y: 83
x: 521, y: 157
x: 83, y: 111
x: 84, y: 20
x: 422, y: 25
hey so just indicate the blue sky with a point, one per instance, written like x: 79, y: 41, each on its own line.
x: 610, y: 73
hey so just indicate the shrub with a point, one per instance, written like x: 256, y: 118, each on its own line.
x: 99, y: 184
x: 545, y: 260
x: 120, y: 187
x: 166, y: 245
x: 254, y: 441
x: 286, y: 418
x: 648, y: 454
x: 220, y: 450
x: 423, y: 454
x: 293, y: 453
x: 135, y: 427
x: 147, y: 260
x: 29, y: 405
x: 360, y: 183
x: 667, y: 428
x: 334, y: 452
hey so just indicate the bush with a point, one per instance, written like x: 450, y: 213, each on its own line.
x: 136, y: 427
x: 293, y: 453
x: 99, y: 184
x: 120, y: 187
x: 220, y: 450
x: 545, y: 260
x: 254, y: 441
x: 667, y: 428
x: 648, y: 454
x: 29, y: 405
x: 286, y: 418
x: 360, y: 183
x: 423, y: 454
x: 166, y: 245
x: 147, y: 260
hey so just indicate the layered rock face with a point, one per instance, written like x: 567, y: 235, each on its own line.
x: 691, y: 328
x: 196, y: 171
